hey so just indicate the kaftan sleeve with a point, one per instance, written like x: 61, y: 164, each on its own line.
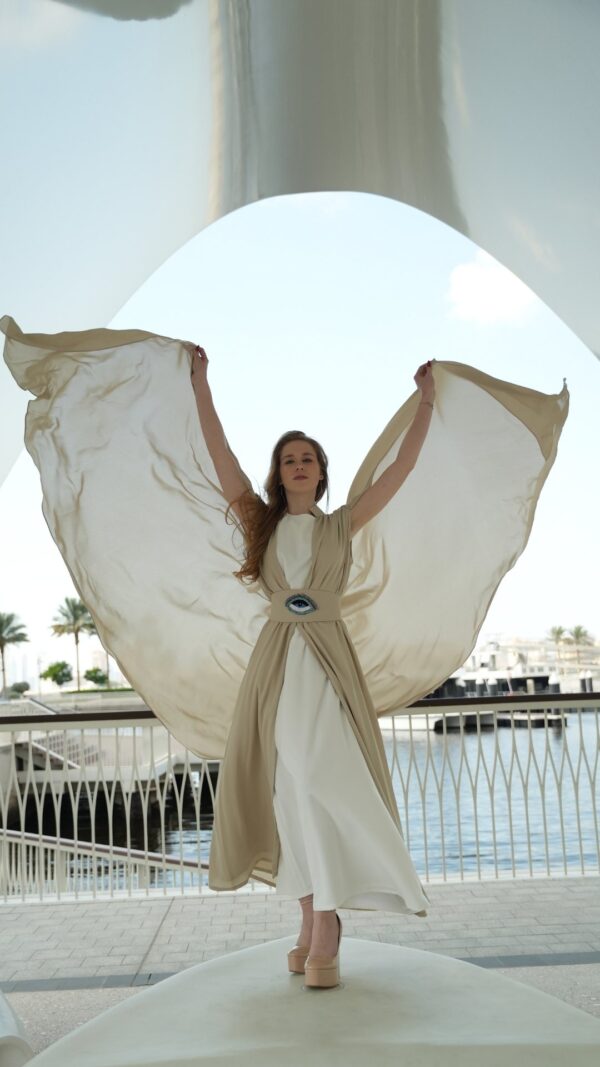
x: 134, y: 505
x: 426, y: 568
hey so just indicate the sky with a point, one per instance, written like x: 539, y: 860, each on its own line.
x: 315, y: 311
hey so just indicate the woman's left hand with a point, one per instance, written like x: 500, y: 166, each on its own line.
x: 424, y: 380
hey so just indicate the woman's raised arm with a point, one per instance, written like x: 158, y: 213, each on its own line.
x: 234, y: 482
x: 371, y: 502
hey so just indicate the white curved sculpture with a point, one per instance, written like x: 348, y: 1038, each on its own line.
x: 125, y: 134
x: 395, y: 1006
x: 15, y: 1050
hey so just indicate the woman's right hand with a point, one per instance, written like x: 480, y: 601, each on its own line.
x: 424, y: 380
x: 199, y: 362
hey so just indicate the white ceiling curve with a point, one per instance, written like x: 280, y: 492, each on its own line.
x: 129, y: 127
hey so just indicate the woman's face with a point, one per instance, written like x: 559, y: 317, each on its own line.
x: 299, y: 470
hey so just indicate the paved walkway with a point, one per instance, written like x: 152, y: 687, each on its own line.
x: 61, y: 963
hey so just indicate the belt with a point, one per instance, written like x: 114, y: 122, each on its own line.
x: 305, y: 605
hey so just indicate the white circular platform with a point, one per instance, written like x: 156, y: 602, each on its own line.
x: 396, y: 1005
x: 15, y: 1050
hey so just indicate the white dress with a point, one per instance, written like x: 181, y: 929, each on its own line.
x: 338, y: 840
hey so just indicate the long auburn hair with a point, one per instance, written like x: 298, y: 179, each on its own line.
x: 260, y: 518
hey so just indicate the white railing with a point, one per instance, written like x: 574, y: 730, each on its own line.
x: 109, y: 804
x: 38, y: 865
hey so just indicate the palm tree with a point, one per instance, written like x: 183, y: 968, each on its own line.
x: 578, y: 635
x: 72, y: 618
x: 11, y: 633
x: 92, y: 630
x: 557, y: 634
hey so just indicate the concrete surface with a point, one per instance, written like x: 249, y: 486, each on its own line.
x: 394, y: 1005
x: 61, y: 963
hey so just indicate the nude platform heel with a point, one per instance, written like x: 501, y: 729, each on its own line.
x: 323, y: 972
x: 297, y: 958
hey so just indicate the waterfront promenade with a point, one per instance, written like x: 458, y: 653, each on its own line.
x: 62, y: 963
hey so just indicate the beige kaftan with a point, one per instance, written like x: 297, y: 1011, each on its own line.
x: 337, y: 838
x: 245, y: 841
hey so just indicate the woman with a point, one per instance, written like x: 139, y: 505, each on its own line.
x: 137, y: 508
x: 341, y: 844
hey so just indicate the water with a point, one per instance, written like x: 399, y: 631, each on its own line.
x: 485, y: 798
x: 455, y: 828
x: 468, y: 808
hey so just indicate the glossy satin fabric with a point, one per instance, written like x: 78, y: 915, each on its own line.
x: 133, y: 502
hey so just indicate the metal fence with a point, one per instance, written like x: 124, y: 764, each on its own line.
x: 107, y: 804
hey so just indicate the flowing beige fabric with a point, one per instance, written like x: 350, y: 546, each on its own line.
x: 245, y: 841
x: 133, y: 502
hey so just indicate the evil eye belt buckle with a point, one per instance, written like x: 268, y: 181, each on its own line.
x: 301, y: 604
